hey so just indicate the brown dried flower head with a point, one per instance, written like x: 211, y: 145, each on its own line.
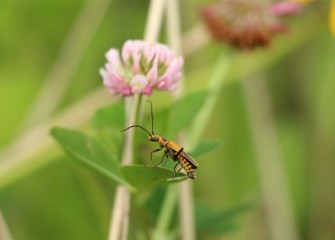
x: 243, y: 23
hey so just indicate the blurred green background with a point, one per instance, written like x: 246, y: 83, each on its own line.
x: 49, y: 197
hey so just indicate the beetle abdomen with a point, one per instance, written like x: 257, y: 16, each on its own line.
x: 188, y: 167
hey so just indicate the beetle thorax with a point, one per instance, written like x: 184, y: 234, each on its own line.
x: 157, y: 138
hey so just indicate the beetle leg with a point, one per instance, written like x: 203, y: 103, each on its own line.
x: 151, y: 159
x: 164, y: 158
x: 174, y: 170
x: 166, y: 155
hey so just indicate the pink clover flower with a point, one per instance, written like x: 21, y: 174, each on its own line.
x: 140, y: 68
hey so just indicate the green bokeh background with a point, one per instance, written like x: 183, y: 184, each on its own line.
x: 62, y: 200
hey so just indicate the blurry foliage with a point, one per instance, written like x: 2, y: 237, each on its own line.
x: 66, y: 201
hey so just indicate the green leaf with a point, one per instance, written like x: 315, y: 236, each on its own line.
x: 183, y: 111
x: 108, y: 121
x: 88, y: 152
x: 142, y: 176
x: 210, y: 220
x: 110, y: 116
x: 205, y: 147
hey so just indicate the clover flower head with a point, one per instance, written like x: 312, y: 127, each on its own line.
x: 246, y: 24
x: 141, y: 67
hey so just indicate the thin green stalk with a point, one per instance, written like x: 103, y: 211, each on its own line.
x: 197, y: 128
x: 186, y: 200
x: 120, y: 216
x: 186, y: 208
x: 154, y: 20
x: 321, y: 161
x: 216, y: 81
x: 173, y: 25
x: 127, y: 156
x: 274, y: 188
x: 166, y: 213
x: 200, y: 122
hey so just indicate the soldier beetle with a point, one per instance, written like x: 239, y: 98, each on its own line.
x: 171, y: 149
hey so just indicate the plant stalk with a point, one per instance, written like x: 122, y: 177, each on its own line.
x: 120, y: 216
x: 166, y: 213
x: 185, y: 190
x: 274, y: 190
x: 219, y: 75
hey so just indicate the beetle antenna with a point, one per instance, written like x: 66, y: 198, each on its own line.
x: 137, y: 126
x: 152, y: 117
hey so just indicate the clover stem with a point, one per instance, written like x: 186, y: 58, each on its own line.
x: 120, y: 216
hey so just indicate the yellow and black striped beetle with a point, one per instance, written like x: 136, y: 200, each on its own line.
x: 172, y: 150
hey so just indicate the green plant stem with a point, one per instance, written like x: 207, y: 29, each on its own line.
x: 173, y: 26
x: 170, y: 200
x: 186, y: 200
x: 275, y: 193
x: 186, y: 208
x: 174, y: 35
x: 200, y: 122
x: 166, y: 213
x: 322, y: 150
x: 127, y: 156
x: 197, y: 128
x: 120, y: 216
x: 154, y: 20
